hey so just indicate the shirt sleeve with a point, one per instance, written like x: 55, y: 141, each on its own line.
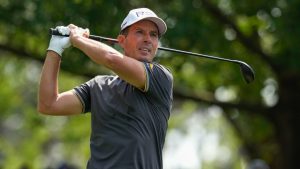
x: 159, y: 82
x: 83, y: 94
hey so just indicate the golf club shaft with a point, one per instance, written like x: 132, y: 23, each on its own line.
x: 246, y: 70
x: 111, y: 40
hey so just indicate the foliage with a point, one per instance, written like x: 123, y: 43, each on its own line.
x: 263, y: 33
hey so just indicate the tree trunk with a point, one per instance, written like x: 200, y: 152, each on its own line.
x: 287, y: 122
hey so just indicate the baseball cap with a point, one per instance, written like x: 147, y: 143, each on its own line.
x: 139, y: 14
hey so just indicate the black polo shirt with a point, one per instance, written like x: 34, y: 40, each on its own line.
x: 128, y: 125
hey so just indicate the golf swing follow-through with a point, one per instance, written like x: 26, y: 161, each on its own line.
x: 129, y: 110
x: 246, y: 70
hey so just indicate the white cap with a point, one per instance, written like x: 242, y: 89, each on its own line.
x: 139, y: 14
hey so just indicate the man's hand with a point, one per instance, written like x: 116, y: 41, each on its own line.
x: 77, y: 32
x: 59, y: 43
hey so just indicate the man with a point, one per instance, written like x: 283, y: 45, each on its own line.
x: 129, y: 110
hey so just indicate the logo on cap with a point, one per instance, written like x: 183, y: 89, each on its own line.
x: 140, y: 13
x: 136, y: 15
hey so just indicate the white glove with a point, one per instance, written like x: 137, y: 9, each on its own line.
x: 59, y: 43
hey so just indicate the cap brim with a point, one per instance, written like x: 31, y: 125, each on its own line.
x: 161, y: 25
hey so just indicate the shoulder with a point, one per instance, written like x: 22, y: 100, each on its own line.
x: 158, y: 68
x: 158, y: 77
x: 102, y: 79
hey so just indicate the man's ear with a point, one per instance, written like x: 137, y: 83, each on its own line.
x: 121, y: 39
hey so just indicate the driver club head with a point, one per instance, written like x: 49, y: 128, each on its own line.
x: 247, y: 72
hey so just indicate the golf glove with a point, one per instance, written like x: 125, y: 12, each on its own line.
x: 59, y: 43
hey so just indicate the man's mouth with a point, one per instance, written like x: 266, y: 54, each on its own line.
x: 147, y: 50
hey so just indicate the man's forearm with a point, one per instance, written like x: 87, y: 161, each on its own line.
x: 48, y: 87
x: 99, y: 52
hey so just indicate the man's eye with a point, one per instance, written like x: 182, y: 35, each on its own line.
x: 154, y: 34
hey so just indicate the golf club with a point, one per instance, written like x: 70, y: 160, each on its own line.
x: 246, y: 70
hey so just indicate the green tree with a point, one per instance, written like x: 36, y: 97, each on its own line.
x: 263, y: 33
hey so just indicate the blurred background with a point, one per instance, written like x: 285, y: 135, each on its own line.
x: 218, y: 121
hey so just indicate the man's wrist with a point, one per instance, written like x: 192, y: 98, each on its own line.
x: 75, y: 41
x: 52, y: 53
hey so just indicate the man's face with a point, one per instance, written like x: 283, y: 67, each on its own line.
x: 141, y: 41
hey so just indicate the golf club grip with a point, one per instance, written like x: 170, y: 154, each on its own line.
x: 53, y: 31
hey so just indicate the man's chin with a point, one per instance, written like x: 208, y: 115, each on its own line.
x: 145, y: 59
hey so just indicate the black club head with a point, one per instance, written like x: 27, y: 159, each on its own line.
x: 247, y: 72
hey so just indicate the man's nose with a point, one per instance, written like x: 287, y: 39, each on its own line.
x: 147, y: 37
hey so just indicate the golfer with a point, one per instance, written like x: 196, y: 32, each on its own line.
x: 129, y: 110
